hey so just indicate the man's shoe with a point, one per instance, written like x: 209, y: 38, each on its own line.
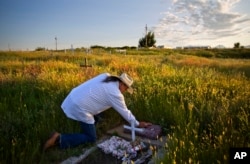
x: 52, y: 141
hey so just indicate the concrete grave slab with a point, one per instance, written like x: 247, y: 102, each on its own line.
x: 119, y: 131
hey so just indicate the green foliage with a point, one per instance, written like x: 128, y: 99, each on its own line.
x: 207, y: 54
x: 97, y: 47
x: 202, y: 104
x: 237, y: 45
x: 218, y: 53
x: 40, y: 49
x: 148, y: 40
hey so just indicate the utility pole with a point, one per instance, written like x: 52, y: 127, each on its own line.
x: 146, y: 29
x: 8, y: 46
x: 56, y: 42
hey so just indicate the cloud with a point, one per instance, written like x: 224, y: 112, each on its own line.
x: 199, y: 20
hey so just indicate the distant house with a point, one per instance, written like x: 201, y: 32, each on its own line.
x: 179, y: 48
x: 164, y: 47
x: 220, y: 47
x: 247, y: 46
x: 198, y: 47
x: 121, y: 51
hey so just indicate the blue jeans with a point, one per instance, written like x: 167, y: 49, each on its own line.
x: 75, y: 139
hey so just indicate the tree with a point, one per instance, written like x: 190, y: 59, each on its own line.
x: 40, y: 49
x: 237, y: 45
x: 148, y: 40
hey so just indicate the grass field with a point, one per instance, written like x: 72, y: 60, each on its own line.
x: 203, y: 104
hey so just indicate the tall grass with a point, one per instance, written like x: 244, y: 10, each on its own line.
x: 203, y: 109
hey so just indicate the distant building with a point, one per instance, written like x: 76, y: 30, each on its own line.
x: 164, y: 47
x: 247, y: 46
x: 220, y: 47
x: 121, y: 51
x: 198, y: 47
x: 179, y: 48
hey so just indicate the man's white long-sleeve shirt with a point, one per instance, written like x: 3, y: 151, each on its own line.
x: 93, y: 97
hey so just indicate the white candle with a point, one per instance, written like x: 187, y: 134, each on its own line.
x: 133, y: 130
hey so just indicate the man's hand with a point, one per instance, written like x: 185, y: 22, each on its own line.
x: 144, y: 124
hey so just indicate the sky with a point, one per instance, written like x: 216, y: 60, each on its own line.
x: 63, y: 24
